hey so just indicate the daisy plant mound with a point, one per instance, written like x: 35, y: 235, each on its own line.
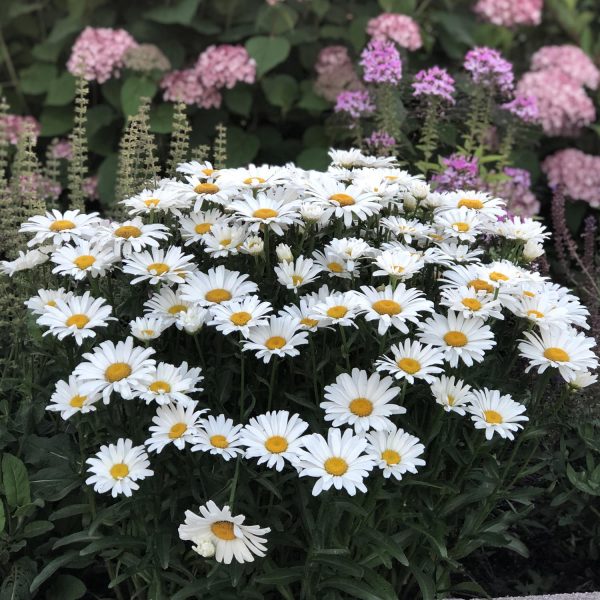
x: 324, y: 370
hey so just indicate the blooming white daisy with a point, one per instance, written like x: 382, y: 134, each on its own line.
x: 298, y: 273
x: 582, y: 380
x: 253, y: 245
x: 84, y: 258
x: 174, y: 424
x: 338, y: 309
x: 224, y: 240
x: 398, y: 264
x: 167, y: 383
x: 304, y: 310
x: 119, y: 368
x: 395, y: 451
x: 159, y: 266
x: 77, y: 316
x: 352, y: 249
x: 218, y: 191
x: 503, y: 273
x: 240, y: 315
x: 57, y: 228
x: 279, y: 337
x: 69, y: 400
x: 355, y: 158
x: 314, y: 213
x: 203, y: 170
x: 195, y: 225
x: 46, y: 298
x: 482, y: 203
x: 454, y: 251
x: 542, y: 310
x: 166, y: 305
x: 218, y: 435
x: 361, y: 401
x: 335, y: 265
x: 471, y: 303
x: 461, y: 223
x: 132, y: 235
x: 147, y: 328
x: 337, y: 461
x: 192, y: 320
x: 496, y: 414
x: 468, y: 276
x: 230, y: 537
x: 406, y: 229
x: 255, y: 178
x: 118, y: 467
x: 523, y: 229
x: 161, y: 199
x: 452, y: 394
x: 274, y: 438
x: 411, y: 361
x: 23, y: 262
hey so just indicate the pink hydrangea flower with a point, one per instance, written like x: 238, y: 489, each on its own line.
x: 488, y: 67
x: 570, y: 59
x: 225, y: 65
x: 434, y: 82
x: 510, y: 13
x: 61, y: 148
x: 15, y: 125
x: 35, y: 184
x: 398, y: 28
x: 90, y: 187
x: 98, y: 53
x: 335, y: 73
x: 524, y: 108
x: 563, y: 105
x: 577, y: 172
x: 185, y: 86
x: 381, y: 63
x: 355, y: 103
x: 516, y: 190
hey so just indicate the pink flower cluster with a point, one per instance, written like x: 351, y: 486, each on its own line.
x: 14, y: 126
x: 488, y: 67
x: 434, y: 82
x: 335, y: 73
x: 217, y: 67
x: 524, y: 108
x: 35, y: 184
x: 571, y: 60
x: 381, y: 63
x: 460, y: 173
x: 510, y: 13
x: 90, y: 187
x: 61, y: 148
x: 398, y: 28
x: 380, y: 140
x: 577, y: 172
x: 516, y: 190
x: 98, y: 53
x: 356, y: 103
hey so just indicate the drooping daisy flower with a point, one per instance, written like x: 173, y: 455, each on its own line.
x: 395, y: 451
x: 565, y: 349
x: 147, y: 328
x: 119, y: 368
x: 393, y: 307
x: 84, y: 258
x: 338, y: 309
x: 57, y: 228
x: 503, y: 273
x: 166, y: 305
x: 132, y: 235
x: 452, y: 394
x: 255, y: 178
x: 542, y: 310
x: 460, y: 338
x: 274, y: 438
x: 303, y: 311
x: 277, y: 338
x: 218, y: 435
x: 45, y: 299
x: 69, y: 399
x: 496, y: 414
x: 298, y: 273
x: 174, y: 424
x: 159, y: 266
x: 77, y: 316
x: 224, y: 240
x: 582, y: 380
x: 230, y: 537
x: 196, y: 225
x: 361, y: 401
x: 337, y: 461
x: 240, y: 315
x: 351, y: 248
x: 167, y: 383
x: 23, y: 262
x: 524, y: 229
x: 253, y: 245
x: 116, y: 468
x: 203, y: 170
x: 411, y: 361
x: 454, y: 251
x: 471, y: 303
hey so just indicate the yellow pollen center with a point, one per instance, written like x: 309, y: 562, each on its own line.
x: 492, y: 417
x: 119, y: 471
x: 460, y: 226
x: 217, y: 295
x: 337, y: 312
x: 152, y: 202
x: 535, y: 313
x: 556, y: 355
x: 361, y: 407
x: 206, y: 188
x: 297, y: 279
x: 391, y: 457
x: 78, y: 320
x: 496, y: 276
x: 177, y: 308
x: 51, y: 303
x: 148, y: 332
x: 480, y: 285
x: 117, y: 371
x: 223, y: 530
x: 219, y: 441
x: 335, y: 267
x: 276, y: 444
x: 177, y: 430
x: 160, y: 387
x: 342, y: 199
x: 275, y: 342
x: 309, y: 322
x: 336, y: 466
x: 471, y: 303
x: 409, y: 365
x: 240, y: 318
x: 451, y: 400
x: 203, y: 228
x: 264, y: 213
x: 387, y: 307
x: 61, y: 225
x: 253, y: 180
x: 84, y: 261
x: 208, y: 172
x: 470, y: 203
x: 456, y: 339
x: 158, y: 268
x: 128, y: 231
x: 529, y: 294
x: 77, y: 401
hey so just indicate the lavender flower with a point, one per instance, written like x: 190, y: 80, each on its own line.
x: 524, y: 108
x: 355, y: 103
x: 380, y: 140
x: 434, y: 82
x: 461, y: 173
x: 381, y: 62
x: 488, y: 67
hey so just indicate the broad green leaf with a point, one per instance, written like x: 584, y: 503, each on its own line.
x: 54, y: 483
x: 313, y: 158
x: 15, y: 481
x: 161, y: 118
x: 36, y: 528
x: 61, y: 90
x: 15, y: 584
x: 280, y: 90
x: 134, y: 89
x: 37, y: 78
x: 51, y: 568
x: 276, y: 19
x: 181, y: 12
x: 241, y: 147
x: 281, y: 576
x: 239, y: 100
x: 268, y: 52
x: 56, y: 120
x: 66, y: 587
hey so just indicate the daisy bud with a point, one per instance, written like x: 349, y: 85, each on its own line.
x: 532, y: 250
x: 204, y: 547
x: 409, y: 201
x: 284, y: 253
x: 253, y: 245
x: 192, y: 320
x: 419, y: 189
x: 311, y: 212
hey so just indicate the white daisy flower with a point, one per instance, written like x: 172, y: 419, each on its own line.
x: 203, y: 170
x: 496, y: 414
x: 541, y: 310
x: 23, y: 262
x: 471, y: 303
x: 406, y: 229
x: 361, y: 401
x: 240, y: 315
x: 482, y: 203
x: 337, y: 461
x: 523, y: 229
x: 69, y: 400
x: 168, y: 266
x: 284, y: 253
x: 355, y: 158
x: 468, y: 276
x: 45, y: 299
x: 304, y: 310
x: 147, y: 328
x: 84, y: 258
x: 452, y: 394
x: 502, y: 273
x: 174, y: 424
x: 192, y: 320
x: 218, y: 435
x: 194, y: 226
x: 411, y: 361
x: 121, y: 368
x: 454, y: 251
x: 398, y: 264
x: 57, y: 228
x: 158, y: 200
x: 167, y: 383
x: 315, y: 213
x: 395, y: 452
x: 352, y: 249
x: 166, y: 305
x: 217, y: 190
x: 253, y: 245
x: 117, y: 468
x: 274, y: 438
x: 132, y: 235
x: 255, y: 177
x: 277, y: 338
x: 582, y: 380
x: 294, y: 275
x: 335, y: 265
x: 230, y: 537
x: 460, y: 338
x: 338, y: 309
x: 224, y: 240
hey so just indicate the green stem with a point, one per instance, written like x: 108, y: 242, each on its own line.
x: 272, y: 383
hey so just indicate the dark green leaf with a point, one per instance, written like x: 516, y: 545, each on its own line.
x: 15, y: 481
x: 268, y: 52
x: 181, y: 13
x: 134, y: 89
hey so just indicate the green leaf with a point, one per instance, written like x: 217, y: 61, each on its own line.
x: 276, y: 19
x: 161, y: 118
x: 239, y: 100
x: 2, y: 516
x: 280, y: 90
x: 426, y: 583
x: 241, y: 147
x: 15, y: 481
x: 107, y: 175
x: 181, y: 13
x: 281, y: 576
x: 56, y: 120
x: 54, y: 483
x: 15, y: 585
x: 313, y: 158
x: 268, y: 52
x: 36, y: 528
x: 51, y: 568
x: 66, y: 587
x: 353, y: 587
x: 37, y: 78
x: 61, y: 90
x: 134, y: 89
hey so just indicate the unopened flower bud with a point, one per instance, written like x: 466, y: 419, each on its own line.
x: 284, y: 253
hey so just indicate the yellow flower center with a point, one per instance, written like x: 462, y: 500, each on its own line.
x: 297, y: 279
x: 336, y: 466
x: 309, y: 322
x: 128, y: 231
x: 206, y: 188
x: 361, y: 407
x: 218, y: 295
x: 253, y: 180
x: 148, y: 332
x: 61, y: 225
x: 51, y: 303
x: 471, y: 303
x: 158, y: 268
x: 79, y: 320
x: 409, y: 365
x: 240, y: 318
x: 225, y: 242
x: 276, y: 444
x: 337, y: 312
x: 535, y: 313
x: 119, y: 471
x: 342, y: 199
x: 160, y: 387
x: 275, y: 342
x: 529, y: 294
x: 556, y: 355
x: 117, y: 371
x: 77, y: 401
x: 177, y: 308
x: 470, y: 203
x: 203, y: 228
x: 265, y: 213
x: 223, y: 530
x: 456, y: 339
x: 387, y: 307
x: 335, y: 267
x: 451, y: 400
x: 492, y: 417
x: 219, y: 441
x: 152, y: 202
x: 496, y: 276
x: 208, y: 172
x: 461, y: 226
x: 177, y: 430
x: 84, y: 261
x: 480, y: 285
x: 391, y: 457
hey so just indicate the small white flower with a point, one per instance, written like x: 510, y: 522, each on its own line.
x: 84, y: 258
x: 218, y: 435
x: 241, y: 315
x: 24, y: 262
x: 216, y: 286
x: 192, y: 319
x: 196, y: 225
x: 395, y: 452
x: 284, y: 253
x: 224, y: 240
x: 132, y: 236
x: 46, y: 298
x: 174, y: 424
x: 253, y: 245
x: 159, y: 266
x: 496, y: 414
x: 296, y: 274
x: 411, y: 361
x: 147, y: 328
x: 57, y: 228
x: 69, y: 399
x: 279, y: 337
x: 338, y: 309
x: 452, y: 394
x: 166, y: 305
x: 167, y: 383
